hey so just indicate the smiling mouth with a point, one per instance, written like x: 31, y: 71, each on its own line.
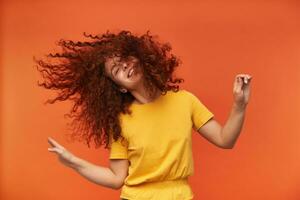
x: 130, y: 72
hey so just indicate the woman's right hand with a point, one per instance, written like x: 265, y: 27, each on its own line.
x: 66, y: 157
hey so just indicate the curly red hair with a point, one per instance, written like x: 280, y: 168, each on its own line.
x: 79, y: 75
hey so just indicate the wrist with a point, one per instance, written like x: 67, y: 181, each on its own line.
x: 76, y: 163
x: 239, y: 107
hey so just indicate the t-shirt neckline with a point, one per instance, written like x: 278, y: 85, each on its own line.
x: 151, y: 102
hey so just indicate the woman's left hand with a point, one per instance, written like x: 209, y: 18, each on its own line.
x: 241, y: 89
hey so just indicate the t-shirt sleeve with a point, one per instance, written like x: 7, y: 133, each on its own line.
x: 200, y: 114
x: 118, y: 149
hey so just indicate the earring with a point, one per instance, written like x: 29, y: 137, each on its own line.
x: 123, y: 90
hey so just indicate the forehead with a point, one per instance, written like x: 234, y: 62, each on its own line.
x: 110, y: 60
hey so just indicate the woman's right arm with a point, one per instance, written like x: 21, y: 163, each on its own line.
x: 112, y: 177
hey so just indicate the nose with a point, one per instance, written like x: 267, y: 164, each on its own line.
x: 125, y: 66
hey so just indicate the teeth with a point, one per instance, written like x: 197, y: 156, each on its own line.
x: 130, y: 73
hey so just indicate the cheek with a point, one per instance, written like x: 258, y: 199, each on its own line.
x: 137, y: 78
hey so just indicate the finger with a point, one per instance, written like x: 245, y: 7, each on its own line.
x: 238, y: 84
x: 54, y: 143
x: 238, y: 80
x: 51, y: 142
x: 56, y: 150
x: 243, y: 75
x: 240, y: 76
x: 249, y: 78
x: 244, y: 79
x: 52, y: 149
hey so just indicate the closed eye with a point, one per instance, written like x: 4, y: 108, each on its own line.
x: 117, y: 71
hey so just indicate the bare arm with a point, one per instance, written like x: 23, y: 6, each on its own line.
x: 211, y: 130
x: 112, y: 177
x: 224, y: 137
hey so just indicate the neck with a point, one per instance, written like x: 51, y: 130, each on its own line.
x: 142, y: 96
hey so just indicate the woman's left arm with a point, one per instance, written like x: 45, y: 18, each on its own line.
x: 225, y: 137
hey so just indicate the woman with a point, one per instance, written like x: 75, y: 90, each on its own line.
x: 130, y: 100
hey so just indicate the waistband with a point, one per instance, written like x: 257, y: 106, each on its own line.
x: 166, y: 189
x: 160, y: 184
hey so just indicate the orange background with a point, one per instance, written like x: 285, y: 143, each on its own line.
x: 216, y: 40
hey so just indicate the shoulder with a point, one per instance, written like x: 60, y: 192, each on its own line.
x: 186, y: 93
x: 182, y: 96
x: 179, y: 92
x: 189, y: 96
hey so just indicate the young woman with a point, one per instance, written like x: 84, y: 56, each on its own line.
x: 129, y: 99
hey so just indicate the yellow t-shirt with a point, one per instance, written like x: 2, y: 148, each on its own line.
x: 158, y: 146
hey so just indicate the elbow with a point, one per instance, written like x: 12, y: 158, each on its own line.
x: 117, y: 185
x: 227, y: 146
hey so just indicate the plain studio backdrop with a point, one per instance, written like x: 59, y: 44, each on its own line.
x: 216, y: 40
